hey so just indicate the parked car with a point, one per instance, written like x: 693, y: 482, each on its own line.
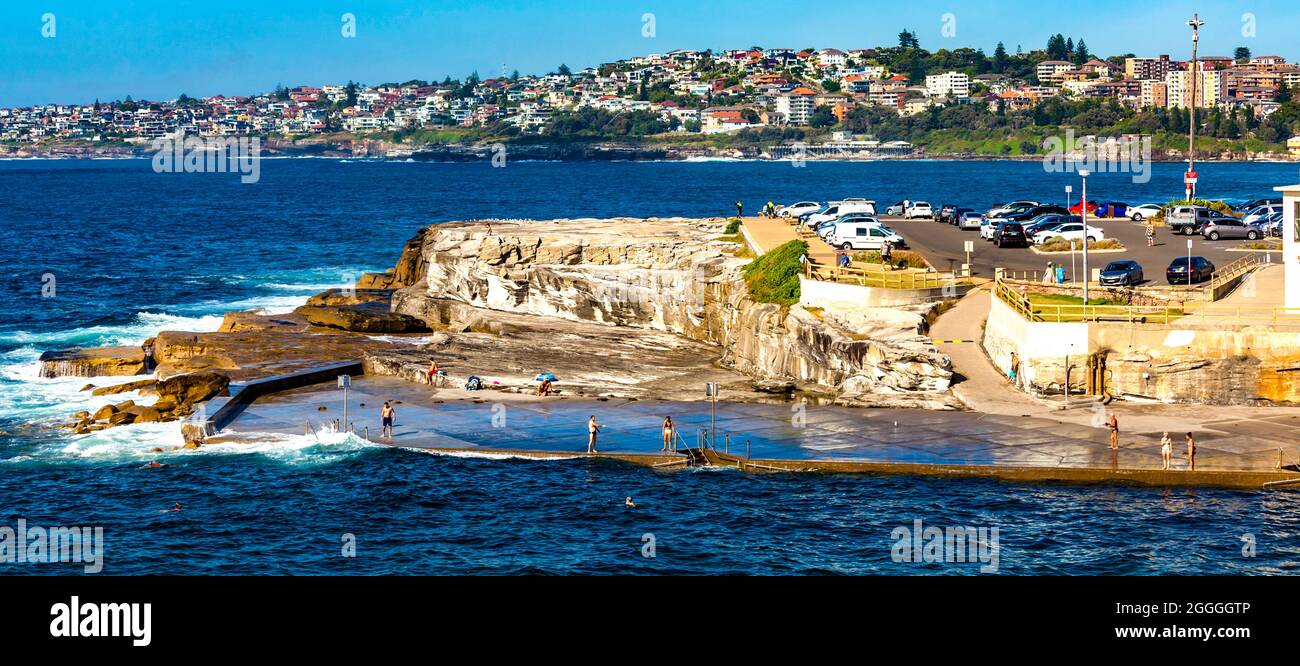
x: 1005, y: 208
x: 919, y: 209
x: 896, y: 210
x: 1273, y: 227
x: 1070, y: 231
x: 1178, y: 271
x: 1188, y: 220
x: 1139, y: 213
x: 1113, y: 209
x: 1010, y: 234
x: 798, y: 209
x: 863, y: 235
x: 1123, y: 273
x: 987, y: 227
x: 1077, y: 209
x: 1256, y: 203
x: 1230, y: 228
x: 835, y: 210
x: 1261, y: 213
x: 1048, y: 221
x: 1033, y: 212
x: 969, y: 219
x: 944, y: 213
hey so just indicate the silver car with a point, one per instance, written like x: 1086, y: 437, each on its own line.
x: 1230, y: 228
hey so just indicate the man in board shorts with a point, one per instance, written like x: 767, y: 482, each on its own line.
x: 386, y: 417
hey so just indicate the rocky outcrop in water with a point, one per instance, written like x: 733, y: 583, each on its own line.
x: 93, y: 362
x: 177, y: 398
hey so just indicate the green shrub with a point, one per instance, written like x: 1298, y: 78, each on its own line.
x: 733, y: 226
x: 774, y: 277
x: 909, y: 259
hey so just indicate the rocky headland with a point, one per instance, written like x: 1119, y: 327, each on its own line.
x: 638, y: 308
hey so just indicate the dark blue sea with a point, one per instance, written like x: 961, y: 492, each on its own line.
x: 130, y: 252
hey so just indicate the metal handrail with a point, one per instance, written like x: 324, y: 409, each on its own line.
x: 1151, y: 314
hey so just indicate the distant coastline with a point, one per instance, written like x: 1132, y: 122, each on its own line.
x: 363, y: 147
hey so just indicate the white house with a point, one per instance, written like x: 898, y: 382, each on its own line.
x: 948, y: 84
x: 1290, y: 243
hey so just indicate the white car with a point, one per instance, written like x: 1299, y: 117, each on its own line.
x: 919, y: 209
x: 862, y: 234
x: 836, y: 210
x: 1260, y: 215
x: 797, y: 209
x: 1070, y: 231
x: 987, y: 227
x: 1139, y: 213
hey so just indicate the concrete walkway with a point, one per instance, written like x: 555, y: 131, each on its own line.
x: 769, y: 234
x: 1251, y: 435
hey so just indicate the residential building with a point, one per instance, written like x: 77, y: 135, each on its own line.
x: 948, y: 84
x: 797, y: 106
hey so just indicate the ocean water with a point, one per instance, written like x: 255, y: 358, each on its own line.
x: 132, y: 252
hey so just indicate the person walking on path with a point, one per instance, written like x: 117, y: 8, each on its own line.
x: 1060, y: 274
x: 887, y: 255
x: 1166, y: 450
x: 1049, y: 274
x: 1151, y: 234
x: 1191, y: 452
x: 386, y: 417
x: 668, y: 434
x: 1013, y: 374
x: 739, y: 209
x: 593, y: 429
x: 1113, y: 424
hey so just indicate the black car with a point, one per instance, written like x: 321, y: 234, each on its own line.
x: 1031, y: 213
x: 945, y: 213
x: 1010, y: 234
x: 1252, y: 205
x: 955, y: 217
x: 1178, y: 273
x: 1124, y: 273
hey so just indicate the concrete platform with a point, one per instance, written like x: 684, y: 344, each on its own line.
x: 779, y: 436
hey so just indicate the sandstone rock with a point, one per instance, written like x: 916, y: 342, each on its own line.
x: 147, y: 415
x: 93, y: 362
x: 103, y: 413
x: 189, y: 389
x: 81, y: 415
x: 364, y: 318
x: 124, y: 388
x: 237, y: 322
x: 337, y: 297
x: 121, y: 418
x: 124, y: 405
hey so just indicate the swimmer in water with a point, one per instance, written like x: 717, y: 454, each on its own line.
x: 177, y: 507
x: 629, y: 503
x: 153, y: 465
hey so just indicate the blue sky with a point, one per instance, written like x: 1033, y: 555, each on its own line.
x: 107, y: 49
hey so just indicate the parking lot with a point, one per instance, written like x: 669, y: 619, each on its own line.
x: 943, y: 245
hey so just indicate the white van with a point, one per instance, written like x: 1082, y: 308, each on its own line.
x: 862, y: 234
x: 839, y: 209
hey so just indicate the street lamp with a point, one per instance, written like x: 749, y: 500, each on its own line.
x: 1083, y: 210
x: 1193, y: 73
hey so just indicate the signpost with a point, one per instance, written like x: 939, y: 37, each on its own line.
x: 345, y: 382
x: 1068, y: 190
x: 970, y: 247
x: 1083, y: 210
x: 1189, y: 180
x: 711, y: 392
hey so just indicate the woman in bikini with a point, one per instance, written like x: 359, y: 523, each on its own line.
x: 668, y: 433
x: 1167, y: 450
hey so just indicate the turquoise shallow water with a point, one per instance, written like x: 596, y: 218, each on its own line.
x: 134, y: 252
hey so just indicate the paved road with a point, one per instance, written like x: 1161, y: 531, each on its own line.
x: 942, y: 245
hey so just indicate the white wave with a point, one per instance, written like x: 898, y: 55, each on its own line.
x: 488, y: 455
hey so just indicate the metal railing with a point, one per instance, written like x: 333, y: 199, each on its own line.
x: 1188, y: 312
x: 882, y: 277
x: 1235, y: 270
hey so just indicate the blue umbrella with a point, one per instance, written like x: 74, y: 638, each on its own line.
x: 545, y: 376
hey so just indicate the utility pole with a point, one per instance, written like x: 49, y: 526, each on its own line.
x: 1194, y: 73
x: 1083, y: 211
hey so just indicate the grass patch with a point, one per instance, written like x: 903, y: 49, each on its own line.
x: 1046, y: 305
x: 908, y: 259
x: 733, y: 226
x: 1262, y: 245
x: 1061, y: 245
x: 774, y: 277
x: 1066, y: 299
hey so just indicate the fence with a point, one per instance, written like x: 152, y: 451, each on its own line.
x: 883, y: 278
x: 1189, y: 313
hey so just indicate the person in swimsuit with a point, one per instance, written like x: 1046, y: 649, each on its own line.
x: 386, y: 417
x: 544, y: 388
x: 1166, y: 450
x: 1191, y: 452
x: 1113, y: 424
x: 432, y: 374
x: 1013, y: 374
x: 668, y: 433
x: 593, y: 429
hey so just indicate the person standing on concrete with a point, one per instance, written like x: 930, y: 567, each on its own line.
x: 1049, y: 274
x: 1166, y: 450
x: 593, y: 429
x: 1151, y: 234
x: 1013, y: 374
x: 1191, y: 452
x: 669, y: 431
x: 386, y: 417
x: 1060, y: 274
x: 1113, y: 424
x: 739, y: 209
x: 887, y: 255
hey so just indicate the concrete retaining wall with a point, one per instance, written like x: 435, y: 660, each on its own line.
x: 832, y: 295
x: 214, y: 415
x: 1043, y: 348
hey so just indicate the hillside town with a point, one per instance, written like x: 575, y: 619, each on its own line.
x: 709, y: 92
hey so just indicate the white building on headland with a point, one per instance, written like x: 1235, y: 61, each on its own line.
x: 1290, y: 243
x: 948, y: 84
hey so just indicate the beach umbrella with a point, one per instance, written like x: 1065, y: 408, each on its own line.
x: 545, y: 376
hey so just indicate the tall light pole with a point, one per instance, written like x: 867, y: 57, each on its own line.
x: 1083, y: 210
x: 1193, y: 73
